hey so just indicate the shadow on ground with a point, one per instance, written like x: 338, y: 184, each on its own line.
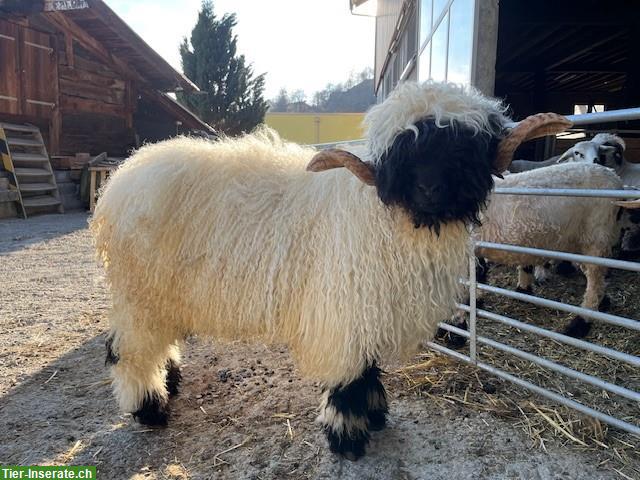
x: 244, y: 413
x: 19, y: 233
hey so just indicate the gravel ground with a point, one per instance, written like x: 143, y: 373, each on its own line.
x: 243, y: 412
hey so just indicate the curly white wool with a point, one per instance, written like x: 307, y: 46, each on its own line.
x: 235, y: 240
x: 445, y: 102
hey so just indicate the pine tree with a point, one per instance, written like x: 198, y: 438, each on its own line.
x: 231, y: 98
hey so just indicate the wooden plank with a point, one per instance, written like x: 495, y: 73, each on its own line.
x: 9, y: 88
x: 81, y: 75
x: 38, y: 65
x: 99, y: 93
x: 92, y: 191
x: 77, y: 104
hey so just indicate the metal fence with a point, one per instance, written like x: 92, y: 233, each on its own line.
x: 475, y: 313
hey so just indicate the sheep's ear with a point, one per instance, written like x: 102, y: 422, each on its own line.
x: 336, y: 158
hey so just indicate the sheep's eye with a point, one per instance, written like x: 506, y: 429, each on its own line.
x: 579, y: 154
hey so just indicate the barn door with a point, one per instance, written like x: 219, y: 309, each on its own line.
x: 28, y: 71
x: 9, y: 85
x: 39, y: 73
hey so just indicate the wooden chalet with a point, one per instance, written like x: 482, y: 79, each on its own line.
x: 86, y: 79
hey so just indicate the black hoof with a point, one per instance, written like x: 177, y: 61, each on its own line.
x: 605, y: 304
x: 351, y: 447
x: 578, y: 328
x: 377, y: 420
x: 528, y: 290
x: 455, y: 341
x: 153, y: 412
x: 566, y: 269
x: 173, y: 378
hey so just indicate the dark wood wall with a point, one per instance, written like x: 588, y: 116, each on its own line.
x: 96, y: 105
x: 80, y: 103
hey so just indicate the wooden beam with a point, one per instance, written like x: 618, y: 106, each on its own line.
x: 548, y: 62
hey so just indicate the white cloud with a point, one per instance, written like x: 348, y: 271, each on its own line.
x: 301, y: 44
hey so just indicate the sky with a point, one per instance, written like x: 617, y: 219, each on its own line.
x: 300, y: 44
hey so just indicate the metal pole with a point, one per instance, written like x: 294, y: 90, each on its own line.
x: 569, y: 192
x: 543, y: 302
x: 571, y: 257
x: 553, y: 366
x: 472, y: 308
x: 574, y: 342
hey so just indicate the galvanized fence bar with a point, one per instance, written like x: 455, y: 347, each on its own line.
x: 543, y: 362
x: 543, y: 302
x: 608, y: 419
x: 571, y: 257
x: 623, y: 114
x: 472, y: 314
x: 559, y: 337
x: 569, y: 192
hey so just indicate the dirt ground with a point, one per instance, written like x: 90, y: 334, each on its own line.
x: 244, y: 413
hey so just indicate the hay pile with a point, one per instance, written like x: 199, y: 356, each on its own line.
x: 448, y: 382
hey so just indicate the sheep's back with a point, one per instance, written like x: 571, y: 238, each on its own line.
x: 569, y: 224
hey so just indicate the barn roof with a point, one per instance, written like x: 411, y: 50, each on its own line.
x: 99, y: 26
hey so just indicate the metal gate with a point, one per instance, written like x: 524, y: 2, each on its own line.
x: 475, y: 313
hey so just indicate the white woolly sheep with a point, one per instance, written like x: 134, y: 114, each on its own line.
x: 587, y: 226
x: 586, y: 151
x: 236, y: 240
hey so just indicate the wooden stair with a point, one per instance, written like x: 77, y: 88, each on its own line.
x: 24, y: 155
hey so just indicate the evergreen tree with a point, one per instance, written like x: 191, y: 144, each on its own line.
x: 231, y: 98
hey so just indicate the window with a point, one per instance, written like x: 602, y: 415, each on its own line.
x: 461, y: 17
x: 426, y: 15
x: 439, y: 51
x: 424, y: 63
x: 438, y: 8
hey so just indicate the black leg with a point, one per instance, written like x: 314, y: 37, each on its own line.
x: 173, y: 378
x: 566, y: 269
x: 351, y: 411
x: 376, y: 400
x: 578, y: 327
x: 153, y: 412
x: 605, y: 304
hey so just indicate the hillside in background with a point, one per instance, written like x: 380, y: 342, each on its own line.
x: 355, y: 95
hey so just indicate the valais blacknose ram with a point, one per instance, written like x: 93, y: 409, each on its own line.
x: 253, y: 238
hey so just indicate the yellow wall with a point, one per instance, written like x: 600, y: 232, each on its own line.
x: 317, y: 127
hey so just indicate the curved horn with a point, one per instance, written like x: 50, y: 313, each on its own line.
x: 534, y: 126
x: 632, y: 204
x: 335, y: 158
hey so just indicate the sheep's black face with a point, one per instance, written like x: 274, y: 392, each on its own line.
x: 442, y: 176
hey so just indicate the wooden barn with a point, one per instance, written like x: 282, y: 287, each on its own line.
x: 76, y: 72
